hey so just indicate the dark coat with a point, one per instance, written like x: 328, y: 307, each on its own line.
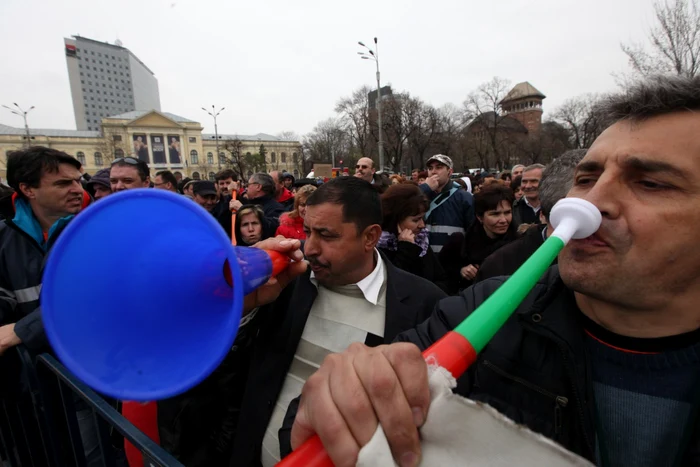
x: 507, y: 260
x: 523, y: 214
x: 409, y: 301
x: 535, y: 370
x: 407, y: 257
x: 472, y: 248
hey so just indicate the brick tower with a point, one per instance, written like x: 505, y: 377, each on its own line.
x: 524, y: 103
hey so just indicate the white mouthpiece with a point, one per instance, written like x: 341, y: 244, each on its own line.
x: 574, y: 218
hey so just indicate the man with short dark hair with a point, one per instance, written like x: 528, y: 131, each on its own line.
x: 226, y: 182
x: 165, y: 180
x: 127, y: 173
x: 282, y: 194
x: 350, y: 294
x: 602, y: 356
x: 526, y: 210
x: 48, y: 193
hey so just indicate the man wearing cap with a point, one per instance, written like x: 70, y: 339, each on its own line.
x: 451, y: 209
x: 205, y: 194
x: 99, y: 184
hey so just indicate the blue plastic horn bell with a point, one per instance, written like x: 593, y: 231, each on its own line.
x: 136, y: 294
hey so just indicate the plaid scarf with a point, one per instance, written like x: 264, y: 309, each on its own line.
x: 389, y: 241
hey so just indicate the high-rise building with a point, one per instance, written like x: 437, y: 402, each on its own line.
x: 105, y: 80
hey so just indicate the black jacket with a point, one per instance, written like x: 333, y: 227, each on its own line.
x: 407, y: 257
x: 409, y: 301
x: 199, y: 426
x: 473, y: 248
x: 523, y: 214
x: 21, y: 268
x: 535, y: 370
x: 505, y: 261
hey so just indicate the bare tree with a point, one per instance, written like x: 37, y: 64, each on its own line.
x: 112, y: 145
x: 488, y: 127
x: 675, y: 42
x: 427, y: 126
x: 288, y: 136
x: 327, y: 142
x: 355, y: 118
x: 234, y: 156
x: 579, y: 116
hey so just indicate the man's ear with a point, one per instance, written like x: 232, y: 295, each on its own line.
x: 147, y: 182
x: 543, y: 219
x: 370, y: 236
x: 27, y: 190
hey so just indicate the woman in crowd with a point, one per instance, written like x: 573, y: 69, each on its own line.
x: 492, y: 229
x: 292, y: 223
x: 506, y: 177
x: 404, y: 239
x: 515, y: 186
x: 396, y: 179
x: 422, y: 176
x: 249, y: 222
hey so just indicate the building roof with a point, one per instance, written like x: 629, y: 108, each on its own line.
x: 521, y: 91
x: 8, y: 130
x: 503, y: 122
x: 256, y: 137
x: 134, y: 114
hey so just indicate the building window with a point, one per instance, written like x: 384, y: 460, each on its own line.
x: 195, y: 175
x: 250, y: 174
x: 273, y: 157
x: 118, y: 153
x: 193, y: 139
x: 247, y: 154
x: 212, y: 176
x: 98, y: 159
x: 294, y: 157
x: 283, y: 157
x: 222, y: 158
x: 194, y: 157
x: 116, y: 137
x: 81, y: 156
x: 210, y: 158
x: 296, y: 173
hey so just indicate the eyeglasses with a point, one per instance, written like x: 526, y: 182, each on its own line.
x: 127, y: 160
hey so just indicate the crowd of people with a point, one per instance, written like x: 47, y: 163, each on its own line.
x: 602, y: 357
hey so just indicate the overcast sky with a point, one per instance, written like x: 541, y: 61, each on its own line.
x: 281, y: 65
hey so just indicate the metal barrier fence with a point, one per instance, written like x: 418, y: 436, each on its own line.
x: 42, y: 418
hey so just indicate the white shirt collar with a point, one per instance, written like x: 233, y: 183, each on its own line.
x: 536, y: 209
x: 371, y: 285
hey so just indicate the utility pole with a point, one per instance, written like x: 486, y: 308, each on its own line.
x: 215, y: 114
x: 22, y: 113
x: 374, y: 55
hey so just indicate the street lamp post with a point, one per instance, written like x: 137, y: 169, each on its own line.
x: 374, y: 55
x: 22, y: 113
x: 214, y: 113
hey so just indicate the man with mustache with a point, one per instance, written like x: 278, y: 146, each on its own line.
x: 350, y: 294
x: 603, y: 356
x: 527, y: 209
x: 48, y: 193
